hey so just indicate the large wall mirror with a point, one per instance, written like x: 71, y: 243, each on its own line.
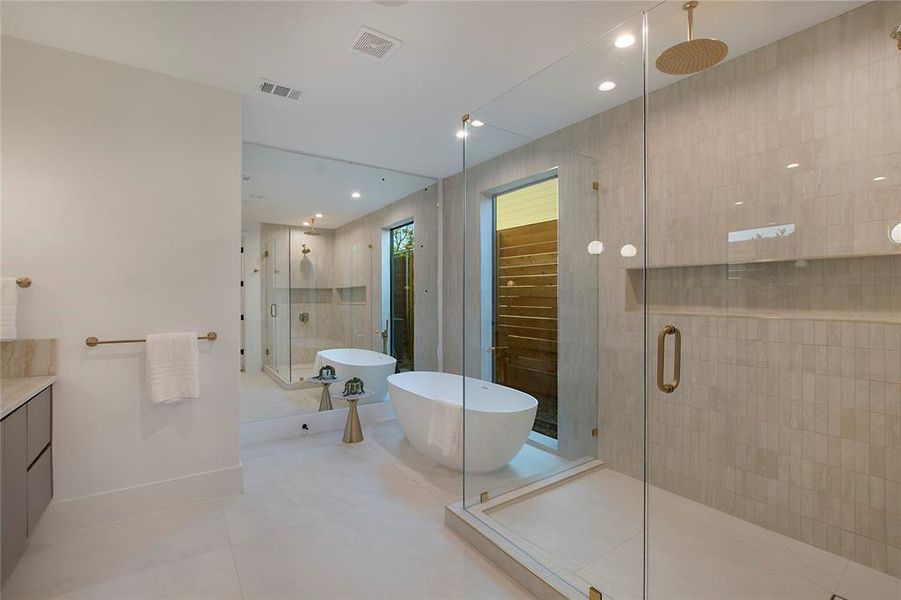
x: 339, y: 270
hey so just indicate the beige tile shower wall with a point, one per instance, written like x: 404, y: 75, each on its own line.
x: 359, y: 263
x: 794, y: 424
x: 792, y: 432
x: 312, y: 294
x: 826, y: 98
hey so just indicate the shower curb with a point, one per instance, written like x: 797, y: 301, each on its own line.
x: 510, y: 558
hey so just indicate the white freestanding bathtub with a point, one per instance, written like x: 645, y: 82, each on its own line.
x: 372, y: 367
x: 498, y: 419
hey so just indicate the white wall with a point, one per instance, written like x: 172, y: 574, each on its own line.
x: 253, y: 349
x: 121, y: 199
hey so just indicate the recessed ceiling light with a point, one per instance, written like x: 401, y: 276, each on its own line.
x: 318, y: 215
x: 895, y: 234
x: 628, y: 251
x: 880, y: 178
x: 306, y: 223
x: 606, y: 86
x: 792, y: 166
x: 355, y: 195
x: 739, y: 203
x: 462, y: 133
x: 624, y: 41
x: 477, y: 123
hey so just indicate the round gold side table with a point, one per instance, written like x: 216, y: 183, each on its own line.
x: 325, y: 401
x: 353, y: 431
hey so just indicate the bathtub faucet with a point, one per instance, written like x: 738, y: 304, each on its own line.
x: 384, y: 334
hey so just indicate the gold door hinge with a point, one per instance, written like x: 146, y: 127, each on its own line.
x: 594, y: 432
x: 266, y: 254
x: 594, y: 594
x: 483, y: 497
x: 596, y: 185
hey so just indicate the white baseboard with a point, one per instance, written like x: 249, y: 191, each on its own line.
x: 267, y: 430
x: 107, y: 507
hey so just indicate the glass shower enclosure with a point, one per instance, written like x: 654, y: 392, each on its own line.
x: 314, y: 297
x: 722, y: 301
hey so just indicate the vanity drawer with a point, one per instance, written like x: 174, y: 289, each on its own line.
x: 40, y: 488
x: 13, y: 492
x: 40, y: 417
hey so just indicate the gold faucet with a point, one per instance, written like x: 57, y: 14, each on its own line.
x: 384, y: 334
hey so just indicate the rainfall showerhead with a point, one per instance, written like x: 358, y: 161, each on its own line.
x: 693, y: 55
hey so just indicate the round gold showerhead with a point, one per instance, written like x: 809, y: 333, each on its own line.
x: 694, y: 55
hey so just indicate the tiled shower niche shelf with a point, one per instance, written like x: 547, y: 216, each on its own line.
x: 350, y: 295
x: 311, y: 295
x: 860, y: 289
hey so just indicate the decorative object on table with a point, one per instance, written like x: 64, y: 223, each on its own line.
x: 327, y: 372
x: 354, y: 387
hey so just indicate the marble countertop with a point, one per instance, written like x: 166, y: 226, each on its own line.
x: 16, y: 391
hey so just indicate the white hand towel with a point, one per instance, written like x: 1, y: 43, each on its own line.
x: 9, y: 300
x: 445, y: 426
x: 173, y: 367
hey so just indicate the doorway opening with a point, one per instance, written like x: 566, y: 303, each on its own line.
x: 525, y: 296
x: 401, y: 239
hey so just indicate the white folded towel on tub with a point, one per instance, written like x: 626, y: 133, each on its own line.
x: 173, y: 367
x: 9, y: 300
x: 445, y: 426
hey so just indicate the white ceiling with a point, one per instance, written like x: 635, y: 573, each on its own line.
x: 401, y: 114
x: 289, y: 188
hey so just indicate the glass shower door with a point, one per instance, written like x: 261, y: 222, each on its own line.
x: 774, y: 314
x: 276, y: 247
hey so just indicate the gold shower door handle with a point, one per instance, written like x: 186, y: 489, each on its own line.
x: 669, y: 388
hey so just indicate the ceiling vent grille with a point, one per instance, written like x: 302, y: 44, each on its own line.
x: 375, y: 44
x: 278, y: 89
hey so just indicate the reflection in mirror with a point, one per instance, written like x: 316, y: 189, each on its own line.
x: 329, y: 294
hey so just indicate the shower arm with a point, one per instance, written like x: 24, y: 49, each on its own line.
x: 895, y: 34
x: 690, y: 7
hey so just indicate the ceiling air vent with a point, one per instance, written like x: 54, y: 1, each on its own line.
x: 375, y: 44
x: 278, y: 89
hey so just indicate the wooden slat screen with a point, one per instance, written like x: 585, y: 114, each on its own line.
x: 526, y: 314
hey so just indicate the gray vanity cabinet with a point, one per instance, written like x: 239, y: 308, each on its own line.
x: 14, y: 507
x: 27, y: 475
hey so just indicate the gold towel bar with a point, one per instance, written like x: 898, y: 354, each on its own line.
x: 92, y: 341
x: 23, y: 282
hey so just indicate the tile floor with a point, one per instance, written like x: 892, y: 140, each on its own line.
x: 591, y: 526
x: 312, y: 524
x: 318, y: 519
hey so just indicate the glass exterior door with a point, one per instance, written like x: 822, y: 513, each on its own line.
x: 401, y: 295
